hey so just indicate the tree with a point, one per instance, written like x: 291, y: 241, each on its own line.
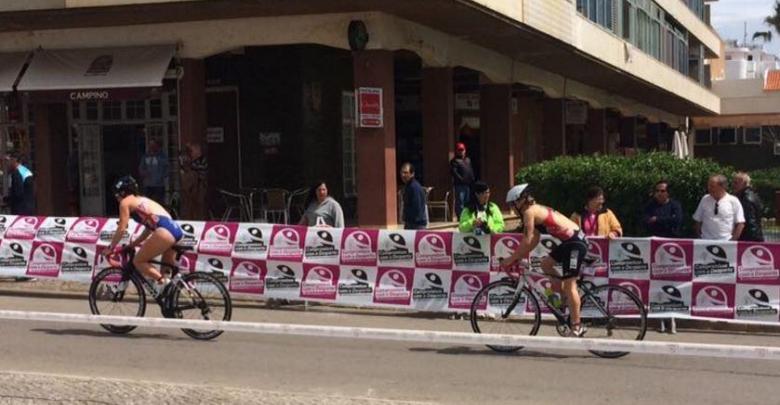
x: 773, y: 20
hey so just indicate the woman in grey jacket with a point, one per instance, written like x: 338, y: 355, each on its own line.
x: 322, y: 209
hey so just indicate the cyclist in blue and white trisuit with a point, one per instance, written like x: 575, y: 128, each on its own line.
x: 158, y: 238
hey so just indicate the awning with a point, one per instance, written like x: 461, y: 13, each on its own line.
x: 93, y: 73
x: 10, y: 66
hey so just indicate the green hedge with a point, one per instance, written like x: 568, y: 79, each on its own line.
x: 765, y: 182
x: 627, y: 182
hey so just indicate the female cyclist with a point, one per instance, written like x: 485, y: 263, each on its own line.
x: 569, y: 253
x: 158, y: 238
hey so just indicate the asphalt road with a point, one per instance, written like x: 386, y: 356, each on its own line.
x: 42, y: 362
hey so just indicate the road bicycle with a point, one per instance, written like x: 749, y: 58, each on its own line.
x: 511, y: 306
x: 121, y: 290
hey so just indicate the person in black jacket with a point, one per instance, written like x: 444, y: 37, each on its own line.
x: 21, y: 196
x: 414, y: 212
x: 751, y: 204
x: 462, y: 177
x: 662, y: 215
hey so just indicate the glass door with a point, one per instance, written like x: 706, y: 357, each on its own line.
x: 92, y: 193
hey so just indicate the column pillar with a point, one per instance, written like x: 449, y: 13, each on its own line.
x: 495, y: 104
x: 596, y: 134
x: 553, y: 128
x: 438, y: 106
x: 192, y: 129
x: 51, y: 154
x: 375, y: 147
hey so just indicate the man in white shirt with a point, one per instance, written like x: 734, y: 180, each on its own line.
x: 719, y: 215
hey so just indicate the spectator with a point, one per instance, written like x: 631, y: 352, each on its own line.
x: 194, y: 178
x: 719, y: 215
x: 481, y: 215
x: 662, y: 216
x: 322, y: 209
x: 595, y: 219
x: 414, y: 209
x: 21, y: 193
x: 462, y: 177
x: 154, y: 172
x: 751, y: 206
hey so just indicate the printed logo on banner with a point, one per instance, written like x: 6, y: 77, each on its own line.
x: 6, y: 220
x: 24, y: 228
x: 54, y: 229
x: 356, y: 284
x: 190, y: 233
x: 757, y: 302
x: 109, y: 228
x: 283, y: 279
x: 188, y: 263
x: 596, y: 259
x: 15, y: 253
x: 713, y: 300
x: 465, y: 286
x: 541, y: 283
x: 248, y: 276
x: 714, y: 261
x: 79, y: 259
x: 395, y: 248
x: 471, y: 252
x: 101, y: 262
x: 322, y: 245
x: 433, y: 250
x: 672, y: 260
x: 45, y: 259
x: 757, y: 263
x: 287, y: 243
x: 320, y: 281
x: 85, y: 230
x: 393, y: 286
x: 218, y: 266
x: 359, y: 247
x: 629, y: 258
x: 502, y: 246
x: 546, y: 245
x: 252, y: 240
x: 217, y: 238
x: 620, y: 304
x: 670, y: 297
x: 498, y: 299
x: 430, y: 290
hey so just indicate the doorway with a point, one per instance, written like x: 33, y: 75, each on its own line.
x: 223, y: 143
x: 123, y: 146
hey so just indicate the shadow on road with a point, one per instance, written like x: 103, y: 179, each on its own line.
x: 97, y: 333
x: 479, y: 351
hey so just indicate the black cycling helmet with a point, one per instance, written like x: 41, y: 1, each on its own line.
x: 125, y: 186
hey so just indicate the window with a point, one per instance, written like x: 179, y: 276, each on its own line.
x: 703, y: 137
x: 155, y: 108
x: 777, y: 148
x: 135, y: 109
x: 727, y: 136
x: 348, y: 138
x: 92, y: 111
x: 75, y: 110
x: 112, y: 110
x: 752, y: 136
x: 173, y: 105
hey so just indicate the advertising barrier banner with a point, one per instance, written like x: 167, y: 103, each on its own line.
x: 420, y: 270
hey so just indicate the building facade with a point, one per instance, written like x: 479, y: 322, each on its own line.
x: 283, y: 94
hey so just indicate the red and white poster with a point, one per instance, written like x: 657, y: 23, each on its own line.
x: 370, y: 108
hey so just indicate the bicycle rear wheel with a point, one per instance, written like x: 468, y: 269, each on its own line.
x: 206, y: 298
x: 495, y: 309
x: 613, y: 312
x: 109, y: 294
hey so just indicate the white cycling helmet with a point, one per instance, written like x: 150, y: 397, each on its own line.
x: 515, y: 192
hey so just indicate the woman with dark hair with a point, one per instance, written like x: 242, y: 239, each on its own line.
x: 595, y: 219
x: 322, y: 209
x: 480, y: 214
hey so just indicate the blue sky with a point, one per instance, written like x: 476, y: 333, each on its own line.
x: 729, y: 17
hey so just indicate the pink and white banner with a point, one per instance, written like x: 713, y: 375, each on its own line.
x: 421, y: 270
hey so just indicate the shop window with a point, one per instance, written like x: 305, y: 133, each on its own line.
x: 348, y: 142
x: 112, y: 110
x: 752, y: 136
x: 92, y: 111
x: 135, y: 109
x: 75, y: 110
x: 703, y: 137
x: 727, y: 136
x: 173, y: 105
x: 155, y: 108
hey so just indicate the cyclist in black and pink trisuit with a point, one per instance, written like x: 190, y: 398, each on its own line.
x: 569, y: 254
x: 158, y: 238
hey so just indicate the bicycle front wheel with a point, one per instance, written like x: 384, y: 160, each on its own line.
x: 613, y: 312
x: 496, y: 309
x: 110, y: 294
x: 203, y: 297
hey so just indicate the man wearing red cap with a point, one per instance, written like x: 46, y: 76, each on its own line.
x: 462, y: 177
